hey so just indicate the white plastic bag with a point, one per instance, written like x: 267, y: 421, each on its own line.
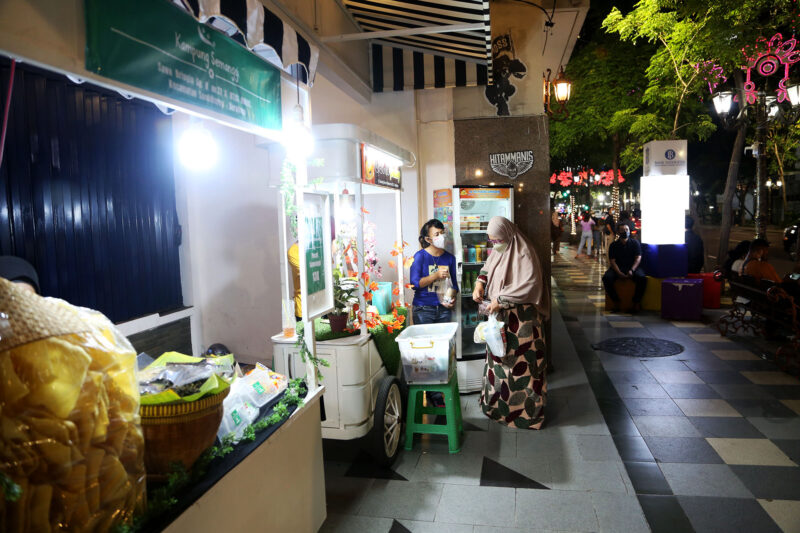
x: 445, y: 291
x: 494, y: 336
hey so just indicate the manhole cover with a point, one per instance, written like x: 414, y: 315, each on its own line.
x: 639, y: 347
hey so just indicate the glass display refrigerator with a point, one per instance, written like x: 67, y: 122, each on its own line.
x: 472, y: 208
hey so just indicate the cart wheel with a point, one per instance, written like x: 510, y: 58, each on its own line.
x: 388, y: 424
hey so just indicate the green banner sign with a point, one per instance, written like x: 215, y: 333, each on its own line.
x: 315, y: 256
x: 154, y: 45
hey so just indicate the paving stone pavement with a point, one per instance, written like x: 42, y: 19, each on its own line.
x: 706, y: 440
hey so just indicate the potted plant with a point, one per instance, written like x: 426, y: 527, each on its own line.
x: 344, y: 290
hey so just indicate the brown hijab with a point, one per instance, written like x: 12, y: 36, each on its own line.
x: 515, y: 274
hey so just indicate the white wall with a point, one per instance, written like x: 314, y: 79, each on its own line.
x: 436, y: 149
x: 229, y: 255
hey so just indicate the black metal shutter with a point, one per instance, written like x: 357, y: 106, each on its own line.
x: 87, y: 195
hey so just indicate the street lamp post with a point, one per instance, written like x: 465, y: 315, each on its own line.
x: 771, y: 186
x: 762, y: 111
x: 759, y: 108
x: 559, y: 89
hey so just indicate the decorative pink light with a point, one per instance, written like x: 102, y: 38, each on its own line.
x: 712, y: 74
x: 566, y: 178
x: 766, y: 58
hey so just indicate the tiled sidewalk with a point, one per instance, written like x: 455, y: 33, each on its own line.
x: 707, y: 440
x: 566, y: 477
x: 711, y: 437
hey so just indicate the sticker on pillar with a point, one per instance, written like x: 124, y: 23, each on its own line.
x: 504, y: 65
x: 511, y: 164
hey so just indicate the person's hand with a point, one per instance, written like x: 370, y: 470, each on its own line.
x: 494, y: 307
x: 630, y: 273
x: 450, y: 305
x: 441, y: 274
x: 477, y: 292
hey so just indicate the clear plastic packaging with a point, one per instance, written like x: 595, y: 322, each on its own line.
x: 177, y: 377
x: 445, y: 292
x: 262, y: 385
x: 70, y: 437
x: 248, y: 394
x: 239, y: 412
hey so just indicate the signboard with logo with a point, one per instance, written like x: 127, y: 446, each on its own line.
x: 379, y: 168
x: 665, y: 158
x: 511, y: 164
x: 484, y: 194
x: 155, y: 46
x: 664, y: 189
x: 316, y: 272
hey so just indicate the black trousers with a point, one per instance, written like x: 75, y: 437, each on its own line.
x: 639, y: 279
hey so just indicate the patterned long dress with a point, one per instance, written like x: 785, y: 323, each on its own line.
x: 514, y: 387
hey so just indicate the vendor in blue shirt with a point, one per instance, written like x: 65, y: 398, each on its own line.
x: 427, y: 276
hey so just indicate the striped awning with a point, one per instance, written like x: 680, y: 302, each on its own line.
x: 250, y: 23
x: 427, y: 60
x: 401, y: 69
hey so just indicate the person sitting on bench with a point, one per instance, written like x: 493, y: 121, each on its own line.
x: 756, y: 264
x: 625, y: 254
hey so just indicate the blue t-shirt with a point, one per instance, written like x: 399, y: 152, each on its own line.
x: 424, y: 264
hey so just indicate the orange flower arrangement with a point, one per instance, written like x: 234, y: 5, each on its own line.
x: 371, y: 320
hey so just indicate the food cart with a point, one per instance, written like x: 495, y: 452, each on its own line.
x: 362, y: 398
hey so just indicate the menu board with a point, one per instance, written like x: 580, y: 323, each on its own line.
x: 316, y: 269
x: 315, y: 255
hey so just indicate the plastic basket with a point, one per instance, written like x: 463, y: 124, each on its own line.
x: 428, y: 352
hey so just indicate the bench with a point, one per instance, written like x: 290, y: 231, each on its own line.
x: 763, y: 308
x: 625, y: 289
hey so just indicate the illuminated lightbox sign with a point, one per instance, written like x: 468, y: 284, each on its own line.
x: 663, y: 207
x: 380, y: 168
x: 665, y: 158
x: 485, y: 194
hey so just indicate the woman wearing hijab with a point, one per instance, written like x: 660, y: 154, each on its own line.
x: 514, y: 386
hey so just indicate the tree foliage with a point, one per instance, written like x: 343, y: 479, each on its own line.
x: 690, y: 36
x: 672, y: 106
x: 608, y: 81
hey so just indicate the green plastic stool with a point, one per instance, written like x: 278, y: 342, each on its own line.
x: 454, y: 427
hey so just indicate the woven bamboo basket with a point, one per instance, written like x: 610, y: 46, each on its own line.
x: 179, y: 433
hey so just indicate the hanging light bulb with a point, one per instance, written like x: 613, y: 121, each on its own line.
x: 297, y: 139
x: 197, y: 149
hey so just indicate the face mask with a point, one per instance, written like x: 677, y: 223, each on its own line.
x: 500, y: 248
x: 438, y: 241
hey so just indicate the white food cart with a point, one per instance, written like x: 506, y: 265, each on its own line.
x: 361, y: 398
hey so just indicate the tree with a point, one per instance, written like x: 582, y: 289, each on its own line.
x: 673, y: 79
x: 694, y: 35
x: 782, y: 143
x: 608, y: 81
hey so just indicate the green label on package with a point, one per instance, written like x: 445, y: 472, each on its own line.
x: 237, y: 419
x: 259, y: 387
x: 156, y: 46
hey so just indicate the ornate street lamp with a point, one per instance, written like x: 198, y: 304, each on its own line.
x: 559, y: 89
x: 758, y: 108
x: 771, y: 186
